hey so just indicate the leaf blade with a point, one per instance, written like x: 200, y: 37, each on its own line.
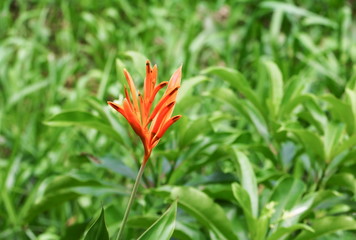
x: 248, y: 179
x: 328, y: 225
x: 98, y: 230
x: 203, y: 208
x: 83, y: 119
x: 164, y: 226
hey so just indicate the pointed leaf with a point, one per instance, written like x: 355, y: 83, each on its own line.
x: 139, y: 61
x: 283, y: 232
x: 341, y: 111
x: 28, y: 90
x: 309, y: 138
x: 332, y: 138
x: 237, y: 81
x: 351, y: 98
x: 343, y: 181
x: 163, y: 228
x: 349, y: 143
x: 246, y: 108
x: 203, y: 208
x: 276, y: 85
x: 82, y: 119
x: 248, y: 179
x: 243, y: 199
x: 188, y: 85
x: 328, y: 225
x: 193, y: 130
x: 286, y: 194
x: 98, y: 230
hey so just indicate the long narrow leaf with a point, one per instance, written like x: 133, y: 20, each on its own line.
x: 203, y: 208
x: 163, y: 228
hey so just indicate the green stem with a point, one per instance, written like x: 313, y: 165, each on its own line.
x: 132, y: 197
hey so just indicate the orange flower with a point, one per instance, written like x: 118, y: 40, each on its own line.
x: 149, y: 125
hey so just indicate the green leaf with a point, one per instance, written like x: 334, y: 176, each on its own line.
x: 49, y: 202
x: 283, y: 232
x: 31, y: 89
x: 82, y: 119
x: 203, y: 208
x: 163, y: 228
x: 341, y: 111
x: 238, y: 82
x: 99, y: 107
x: 328, y: 225
x: 75, y: 231
x: 289, y: 104
x: 63, y: 188
x: 262, y: 223
x: 286, y: 195
x: 318, y: 20
x: 276, y: 23
x: 219, y: 191
x: 351, y: 99
x: 105, y: 76
x: 343, y: 181
x: 324, y: 69
x: 349, y: 143
x: 292, y: 216
x: 257, y: 120
x: 248, y: 179
x: 182, y: 230
x: 187, y: 231
x: 332, y: 138
x: 193, y: 130
x: 246, y: 108
x: 317, y: 116
x: 290, y: 9
x: 243, y: 199
x: 307, y: 41
x: 139, y: 61
x: 98, y: 230
x: 285, y: 7
x: 294, y: 88
x: 117, y: 166
x: 188, y: 85
x: 120, y: 66
x: 276, y: 85
x: 139, y: 222
x: 309, y: 138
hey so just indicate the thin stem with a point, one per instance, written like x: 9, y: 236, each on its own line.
x: 144, y: 178
x: 132, y: 197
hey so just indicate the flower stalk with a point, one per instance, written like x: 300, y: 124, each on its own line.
x: 131, y: 199
x: 148, y: 122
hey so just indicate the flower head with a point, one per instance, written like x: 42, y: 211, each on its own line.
x: 150, y: 125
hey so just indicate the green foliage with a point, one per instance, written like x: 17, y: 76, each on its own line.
x: 98, y: 229
x: 163, y: 228
x: 327, y: 225
x: 203, y: 208
x: 265, y: 149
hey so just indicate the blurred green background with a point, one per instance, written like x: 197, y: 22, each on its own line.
x: 273, y: 82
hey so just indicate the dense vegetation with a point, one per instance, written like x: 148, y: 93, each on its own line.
x: 266, y: 147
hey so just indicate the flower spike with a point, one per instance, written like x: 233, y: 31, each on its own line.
x: 149, y: 125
